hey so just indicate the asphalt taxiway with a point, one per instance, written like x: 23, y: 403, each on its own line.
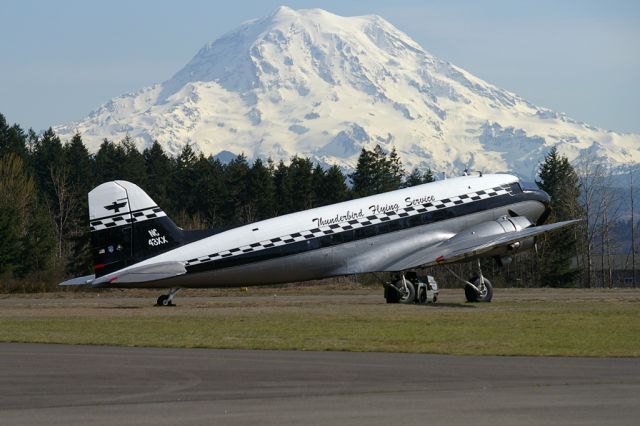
x: 67, y: 385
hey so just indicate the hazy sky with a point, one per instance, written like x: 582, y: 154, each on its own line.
x: 61, y: 59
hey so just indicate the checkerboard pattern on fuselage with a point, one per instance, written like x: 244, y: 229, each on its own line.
x: 355, y: 223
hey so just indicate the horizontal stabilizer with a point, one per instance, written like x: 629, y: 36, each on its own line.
x: 153, y: 272
x: 87, y: 279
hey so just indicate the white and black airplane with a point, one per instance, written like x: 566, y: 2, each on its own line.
x: 135, y: 244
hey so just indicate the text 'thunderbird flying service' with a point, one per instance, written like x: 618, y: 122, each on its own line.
x: 135, y: 244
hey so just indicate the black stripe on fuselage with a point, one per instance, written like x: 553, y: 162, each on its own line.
x: 347, y: 236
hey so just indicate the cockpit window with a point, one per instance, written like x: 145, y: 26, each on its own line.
x: 515, y: 188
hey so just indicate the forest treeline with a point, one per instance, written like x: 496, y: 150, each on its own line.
x: 44, y: 229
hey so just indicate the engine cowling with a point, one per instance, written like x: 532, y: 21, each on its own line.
x: 503, y: 225
x: 499, y: 226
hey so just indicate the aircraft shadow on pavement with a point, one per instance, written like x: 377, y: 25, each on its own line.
x: 119, y: 307
x: 448, y: 305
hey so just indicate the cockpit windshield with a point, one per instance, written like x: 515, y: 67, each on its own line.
x: 515, y: 188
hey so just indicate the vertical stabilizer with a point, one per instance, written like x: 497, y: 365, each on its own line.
x: 127, y: 226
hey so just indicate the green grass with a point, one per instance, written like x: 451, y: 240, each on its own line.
x: 542, y: 328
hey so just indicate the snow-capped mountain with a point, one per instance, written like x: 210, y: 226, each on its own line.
x: 311, y: 83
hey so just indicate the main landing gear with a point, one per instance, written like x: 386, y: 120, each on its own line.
x: 400, y: 291
x: 477, y: 288
x: 167, y: 299
x: 409, y: 288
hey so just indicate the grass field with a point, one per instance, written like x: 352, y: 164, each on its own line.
x: 518, y: 322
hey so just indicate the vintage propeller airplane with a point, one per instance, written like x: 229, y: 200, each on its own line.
x: 135, y: 244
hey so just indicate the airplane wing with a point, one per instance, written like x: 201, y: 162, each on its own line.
x: 456, y: 248
x: 153, y: 272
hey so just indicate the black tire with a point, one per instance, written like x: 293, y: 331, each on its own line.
x: 406, y: 297
x: 390, y: 294
x: 470, y: 294
x: 484, y: 296
x: 163, y: 300
x: 422, y: 295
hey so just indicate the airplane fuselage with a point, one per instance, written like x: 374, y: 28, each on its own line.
x: 362, y: 235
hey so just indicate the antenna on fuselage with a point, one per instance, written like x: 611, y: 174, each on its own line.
x: 466, y: 171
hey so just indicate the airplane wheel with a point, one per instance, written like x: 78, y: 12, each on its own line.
x: 406, y: 296
x: 163, y: 300
x: 422, y: 295
x: 484, y: 296
x: 391, y: 295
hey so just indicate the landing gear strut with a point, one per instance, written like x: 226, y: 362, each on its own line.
x: 477, y: 288
x: 167, y: 299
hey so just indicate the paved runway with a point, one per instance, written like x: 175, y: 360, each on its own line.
x: 79, y: 385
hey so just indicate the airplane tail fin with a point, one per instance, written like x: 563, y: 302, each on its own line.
x: 127, y: 227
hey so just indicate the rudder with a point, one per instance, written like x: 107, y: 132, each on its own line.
x: 127, y: 226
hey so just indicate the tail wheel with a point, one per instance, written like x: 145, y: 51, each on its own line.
x: 486, y: 290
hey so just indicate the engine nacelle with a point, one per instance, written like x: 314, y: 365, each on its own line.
x: 503, y: 225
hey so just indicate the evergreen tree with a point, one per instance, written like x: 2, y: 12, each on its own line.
x: 283, y: 189
x: 364, y: 177
x: 558, y: 250
x: 428, y: 177
x: 392, y: 171
x: 184, y: 180
x: 52, y: 174
x: 317, y: 185
x: 417, y: 178
x: 81, y: 179
x: 301, y: 183
x: 413, y: 179
x: 261, y: 191
x: 12, y: 139
x: 109, y: 162
x: 80, y: 165
x: 32, y: 140
x: 159, y: 168
x: 134, y: 167
x: 211, y: 190
x: 48, y: 160
x: 334, y: 187
x: 376, y: 172
x: 38, y: 243
x: 20, y: 220
x: 236, y: 173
